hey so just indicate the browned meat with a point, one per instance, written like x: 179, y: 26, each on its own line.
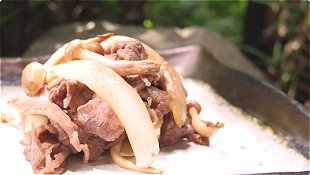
x: 192, y: 135
x: 98, y: 124
x: 140, y: 82
x: 97, y: 117
x: 136, y: 82
x: 29, y: 105
x: 68, y: 93
x: 199, y: 139
x: 160, y: 100
x: 158, y: 80
x: 171, y: 133
x: 63, y: 138
x: 126, y: 50
x: 148, y: 86
x: 98, y: 128
x: 44, y: 152
x: 97, y: 145
x: 77, y: 94
x: 56, y: 93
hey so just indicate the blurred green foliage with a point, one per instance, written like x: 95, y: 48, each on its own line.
x: 225, y: 17
x: 287, y: 36
x: 288, y: 62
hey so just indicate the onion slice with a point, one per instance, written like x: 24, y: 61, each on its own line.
x: 124, y: 100
x: 115, y: 153
x: 174, y: 87
x: 174, y: 84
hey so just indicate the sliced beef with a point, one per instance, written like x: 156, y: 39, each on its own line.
x: 68, y: 93
x: 171, y: 133
x: 98, y: 128
x: 192, y: 135
x: 44, y: 152
x: 77, y: 94
x: 136, y: 82
x: 157, y: 80
x: 197, y: 138
x: 63, y: 137
x: 159, y: 99
x: 140, y: 82
x: 56, y: 93
x: 126, y: 50
x: 151, y: 86
x: 97, y: 117
x: 54, y: 113
x: 97, y: 145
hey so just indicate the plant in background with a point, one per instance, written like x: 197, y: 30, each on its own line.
x: 287, y: 63
x: 223, y: 17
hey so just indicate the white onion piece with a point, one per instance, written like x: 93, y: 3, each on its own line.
x: 9, y: 114
x: 174, y: 87
x: 174, y: 84
x: 124, y: 100
x: 115, y: 153
x: 34, y: 120
x: 157, y: 126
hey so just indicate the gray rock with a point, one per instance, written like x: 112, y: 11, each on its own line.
x: 158, y: 38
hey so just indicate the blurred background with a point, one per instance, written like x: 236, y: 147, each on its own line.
x: 274, y: 35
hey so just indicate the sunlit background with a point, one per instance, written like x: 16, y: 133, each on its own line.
x: 273, y: 35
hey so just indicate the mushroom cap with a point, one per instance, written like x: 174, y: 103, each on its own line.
x: 33, y: 78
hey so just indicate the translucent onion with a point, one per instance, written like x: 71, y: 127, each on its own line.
x: 10, y: 115
x: 115, y: 153
x: 174, y: 85
x: 124, y: 100
x: 34, y: 120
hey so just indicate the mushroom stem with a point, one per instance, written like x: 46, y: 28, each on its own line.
x: 204, y: 128
x: 56, y: 58
x: 121, y: 67
x: 59, y: 55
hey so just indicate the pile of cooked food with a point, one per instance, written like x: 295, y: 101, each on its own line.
x: 105, y: 94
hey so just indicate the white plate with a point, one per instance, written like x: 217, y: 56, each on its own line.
x: 242, y: 146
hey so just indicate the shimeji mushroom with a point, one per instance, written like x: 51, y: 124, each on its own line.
x: 35, y: 74
x: 33, y: 78
x: 75, y: 50
x: 204, y: 128
x: 91, y: 44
